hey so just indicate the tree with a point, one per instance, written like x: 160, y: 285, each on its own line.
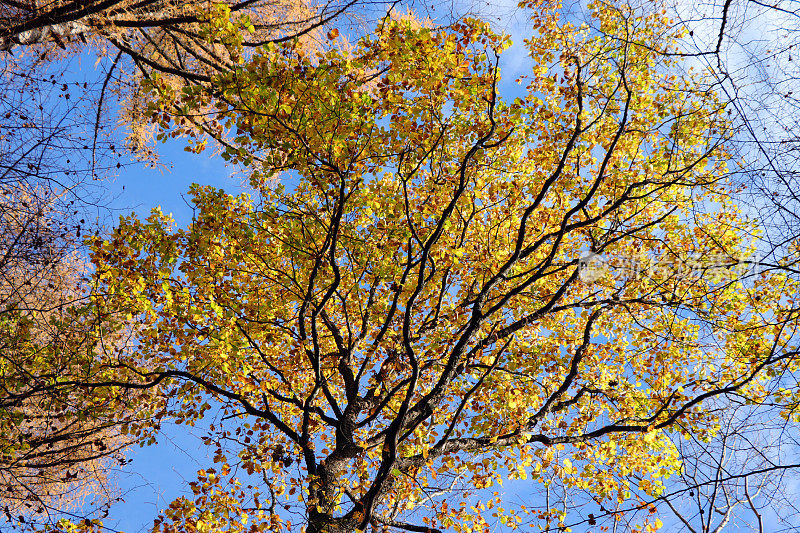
x: 160, y: 35
x: 457, y: 290
x: 57, y: 445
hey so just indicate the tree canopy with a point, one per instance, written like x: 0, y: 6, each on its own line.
x: 430, y: 290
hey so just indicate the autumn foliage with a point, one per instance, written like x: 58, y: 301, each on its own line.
x: 394, y: 321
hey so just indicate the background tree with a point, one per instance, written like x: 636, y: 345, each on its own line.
x: 408, y: 325
x: 143, y: 37
x: 57, y: 447
x: 57, y: 442
x: 743, y: 478
x: 749, y: 49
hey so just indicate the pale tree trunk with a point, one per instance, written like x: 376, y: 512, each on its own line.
x: 57, y: 33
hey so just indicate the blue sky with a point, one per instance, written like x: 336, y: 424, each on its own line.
x: 139, y: 188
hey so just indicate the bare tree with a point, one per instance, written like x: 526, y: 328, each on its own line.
x: 742, y: 478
